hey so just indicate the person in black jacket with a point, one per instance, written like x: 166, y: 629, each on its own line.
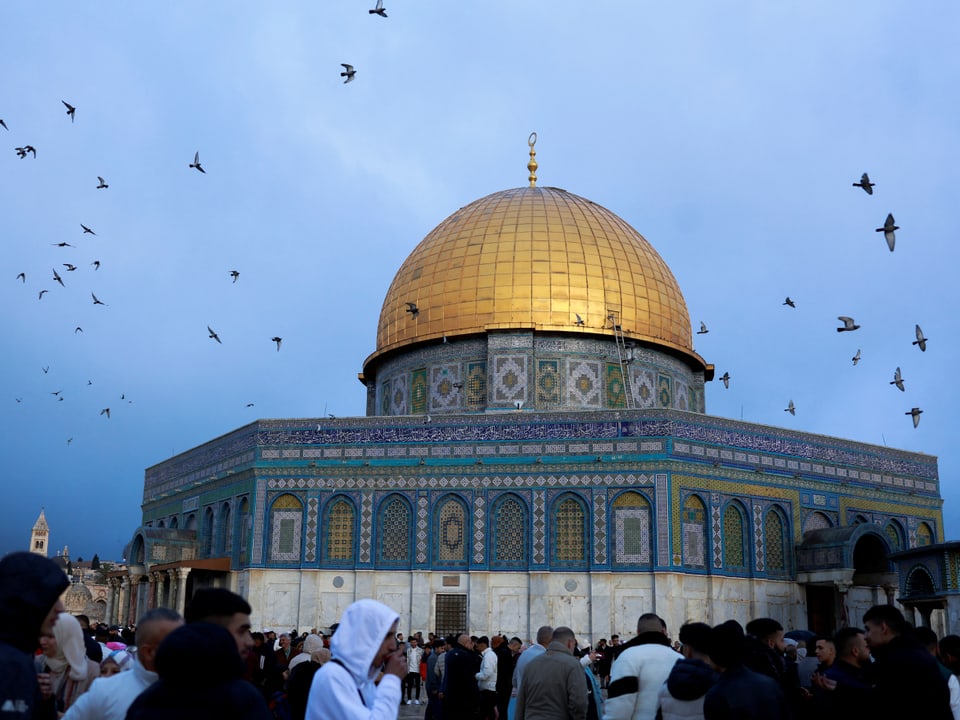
x: 459, y: 691
x: 30, y: 588
x: 201, y: 678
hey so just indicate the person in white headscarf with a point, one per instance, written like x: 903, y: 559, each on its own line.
x: 363, y: 647
x: 64, y: 672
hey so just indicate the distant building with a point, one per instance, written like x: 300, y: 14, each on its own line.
x: 536, y: 450
x: 40, y: 535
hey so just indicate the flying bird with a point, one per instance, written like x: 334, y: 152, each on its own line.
x: 102, y: 185
x: 725, y: 379
x: 196, y: 162
x: 69, y: 440
x: 4, y: 124
x: 791, y: 408
x: 86, y: 230
x: 106, y: 411
x: 40, y: 296
x: 77, y: 329
x: 21, y: 152
x: 915, y: 412
x: 897, y: 380
x: 96, y: 301
x: 348, y: 73
x: 57, y: 393
x: 249, y: 404
x: 69, y: 267
x: 46, y: 369
x: 62, y: 244
x: 213, y: 335
x: 413, y: 309
x: 22, y: 277
x: 703, y: 328
x: 96, y: 264
x: 921, y: 341
x: 71, y: 110
x: 789, y: 302
x: 865, y: 184
x: 579, y: 322
x: 889, y: 226
x: 856, y: 358
x: 30, y: 149
x: 378, y: 10
x: 235, y: 274
x: 277, y: 340
x: 848, y: 324
x: 57, y: 278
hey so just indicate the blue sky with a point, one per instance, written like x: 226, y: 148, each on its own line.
x: 727, y: 134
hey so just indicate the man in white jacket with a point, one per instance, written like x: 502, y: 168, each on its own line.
x: 487, y: 679
x: 639, y: 671
x: 364, y: 645
x: 109, y: 697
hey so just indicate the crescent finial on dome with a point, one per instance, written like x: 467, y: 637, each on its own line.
x: 532, y: 165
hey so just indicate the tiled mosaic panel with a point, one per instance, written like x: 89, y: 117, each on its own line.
x: 450, y: 532
x: 385, y: 397
x: 310, y: 550
x: 340, y: 523
x: 418, y: 392
x: 816, y: 521
x: 694, y: 519
x: 479, y: 521
x: 599, y: 527
x: 475, y: 381
x: 613, y: 385
x: 398, y: 395
x: 733, y: 538
x: 568, y: 533
x: 758, y: 536
x: 509, y: 378
x: 548, y: 383
x: 680, y: 395
x: 664, y: 391
x: 631, y: 529
x: 894, y: 536
x: 583, y: 383
x: 716, y: 530
x: 366, y: 526
x: 446, y: 388
x: 539, y: 532
x: 423, y: 511
x: 664, y: 519
x: 259, y: 519
x: 776, y: 559
x: 510, y: 533
x: 395, y: 532
x: 285, y: 528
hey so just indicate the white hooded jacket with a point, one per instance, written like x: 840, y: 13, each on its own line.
x: 344, y: 688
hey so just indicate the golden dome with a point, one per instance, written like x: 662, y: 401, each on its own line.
x: 534, y: 258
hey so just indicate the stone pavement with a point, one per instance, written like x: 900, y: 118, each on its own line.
x: 409, y: 712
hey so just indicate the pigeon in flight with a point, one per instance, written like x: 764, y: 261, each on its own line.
x: 348, y: 73
x: 62, y: 244
x: 77, y: 329
x: 196, y: 162
x: 789, y: 302
x: 277, y: 339
x: 40, y: 296
x: 22, y: 151
x: 22, y: 277
x: 69, y: 267
x: 57, y: 393
x: 856, y: 358
x: 921, y: 341
x: 57, y: 278
x: 703, y: 328
x: 86, y: 230
x: 102, y: 185
x: 848, y: 324
x: 71, y: 110
x: 791, y: 408
x: 4, y: 124
x: 106, y: 411
x: 96, y: 264
x: 725, y: 379
x: 888, y: 230
x: 915, y: 412
x: 96, y: 301
x: 235, y: 274
x: 897, y: 380
x: 249, y: 404
x: 413, y: 309
x: 46, y: 369
x: 865, y: 184
x: 213, y: 335
x: 579, y: 322
x: 378, y: 10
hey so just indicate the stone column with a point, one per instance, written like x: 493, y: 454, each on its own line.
x: 124, y: 601
x: 890, y: 591
x: 111, y: 589
x: 158, y: 580
x: 172, y: 587
x: 182, y: 574
x: 843, y: 587
x: 131, y: 616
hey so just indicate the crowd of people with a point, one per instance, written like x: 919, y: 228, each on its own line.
x: 210, y: 664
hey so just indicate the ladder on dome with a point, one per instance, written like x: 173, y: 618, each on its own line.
x: 622, y: 358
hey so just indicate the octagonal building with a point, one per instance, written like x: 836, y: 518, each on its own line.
x: 536, y: 450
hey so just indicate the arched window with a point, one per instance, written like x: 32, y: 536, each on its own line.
x: 225, y: 542
x: 340, y: 523
x: 450, y: 532
x: 694, y: 528
x: 206, y: 543
x: 734, y: 554
x: 161, y: 524
x: 191, y: 523
x: 510, y: 533
x: 395, y: 532
x: 631, y: 529
x: 245, y: 523
x: 286, y: 521
x: 924, y: 535
x: 174, y: 523
x: 894, y: 533
x: 775, y: 542
x: 816, y: 521
x: 568, y: 532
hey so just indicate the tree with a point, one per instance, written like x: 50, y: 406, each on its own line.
x: 95, y: 563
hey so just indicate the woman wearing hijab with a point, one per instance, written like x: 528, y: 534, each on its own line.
x: 64, y: 672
